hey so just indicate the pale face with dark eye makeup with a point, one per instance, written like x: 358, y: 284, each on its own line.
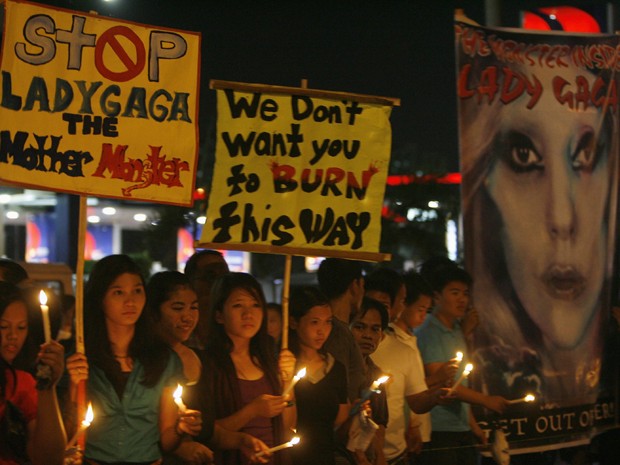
x: 550, y: 183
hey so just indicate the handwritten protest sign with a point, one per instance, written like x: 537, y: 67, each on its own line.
x: 296, y: 173
x: 97, y: 106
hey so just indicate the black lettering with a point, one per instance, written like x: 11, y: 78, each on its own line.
x: 358, y: 224
x: 226, y: 221
x: 250, y: 228
x: 313, y: 226
x: 279, y: 228
x: 9, y: 100
x: 353, y: 110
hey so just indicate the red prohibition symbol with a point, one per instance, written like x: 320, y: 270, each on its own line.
x: 110, y: 37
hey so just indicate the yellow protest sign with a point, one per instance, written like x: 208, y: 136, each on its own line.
x: 96, y: 106
x: 298, y: 173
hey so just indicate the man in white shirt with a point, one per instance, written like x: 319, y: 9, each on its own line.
x: 398, y: 356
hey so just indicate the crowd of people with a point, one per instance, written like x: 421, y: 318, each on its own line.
x: 212, y: 332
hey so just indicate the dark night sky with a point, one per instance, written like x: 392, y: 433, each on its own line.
x: 392, y: 48
x: 395, y: 48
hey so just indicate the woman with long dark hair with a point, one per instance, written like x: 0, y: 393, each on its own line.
x: 131, y: 373
x: 321, y: 395
x: 31, y: 429
x: 172, y: 303
x: 241, y: 381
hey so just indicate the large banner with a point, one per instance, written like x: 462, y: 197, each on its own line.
x: 538, y: 120
x: 96, y: 106
x: 298, y: 173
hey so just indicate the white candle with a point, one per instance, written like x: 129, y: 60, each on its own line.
x: 459, y: 357
x: 286, y: 445
x: 46, y: 317
x: 177, y: 394
x: 527, y: 398
x: 300, y: 374
x: 88, y: 419
x: 375, y: 385
x: 468, y: 369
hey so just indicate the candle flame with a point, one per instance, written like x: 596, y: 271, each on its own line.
x: 178, y: 392
x: 42, y: 297
x: 294, y: 441
x: 382, y: 379
x: 301, y: 373
x: 468, y: 368
x: 459, y: 357
x: 529, y: 398
x: 90, y: 416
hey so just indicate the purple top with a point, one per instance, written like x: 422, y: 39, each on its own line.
x: 259, y: 427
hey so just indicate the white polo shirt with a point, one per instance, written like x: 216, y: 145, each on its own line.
x: 398, y: 356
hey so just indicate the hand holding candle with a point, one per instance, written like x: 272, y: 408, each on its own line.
x: 46, y: 317
x: 468, y: 369
x: 300, y: 374
x: 88, y: 419
x: 177, y: 394
x: 367, y: 394
x: 286, y: 445
x: 527, y: 398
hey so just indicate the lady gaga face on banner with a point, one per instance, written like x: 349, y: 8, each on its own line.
x: 550, y: 184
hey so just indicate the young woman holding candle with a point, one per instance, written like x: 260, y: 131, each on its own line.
x: 130, y: 372
x: 241, y: 381
x: 321, y: 395
x: 173, y: 305
x: 24, y: 409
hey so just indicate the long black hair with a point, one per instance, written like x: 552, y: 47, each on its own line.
x: 145, y: 346
x: 218, y: 342
x: 303, y: 298
x: 218, y: 384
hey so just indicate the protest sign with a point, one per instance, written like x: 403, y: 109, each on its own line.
x: 298, y: 171
x: 97, y: 106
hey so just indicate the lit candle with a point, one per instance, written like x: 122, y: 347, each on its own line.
x: 527, y: 398
x: 286, y: 445
x: 367, y: 394
x: 177, y: 394
x: 300, y: 374
x: 88, y: 419
x: 468, y: 369
x: 459, y: 357
x: 375, y: 385
x: 46, y: 317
